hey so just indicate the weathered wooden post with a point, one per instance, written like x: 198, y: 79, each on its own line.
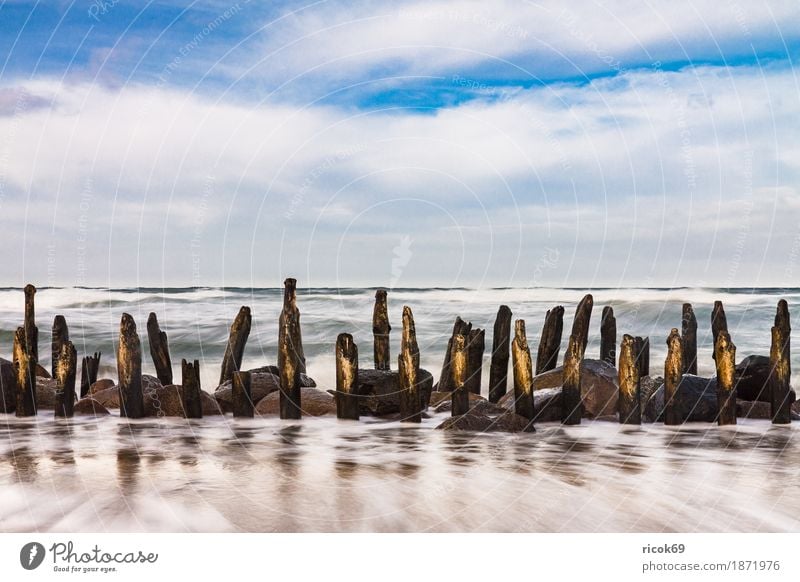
x: 780, y: 366
x: 458, y: 369
x: 234, y: 350
x: 689, y: 339
x: 725, y: 358
x: 498, y: 371
x: 129, y: 369
x: 290, y: 355
x: 190, y: 383
x: 381, y: 330
x: 608, y: 336
x: 446, y: 377
x: 673, y: 373
x: 242, y: 396
x: 550, y: 340
x: 644, y: 358
x: 65, y: 374
x: 630, y: 387
x: 346, y: 377
x: 719, y: 323
x: 580, y: 325
x: 60, y: 337
x: 25, y: 368
x: 477, y: 345
x: 523, y: 372
x: 159, y: 350
x: 90, y: 365
x: 31, y: 331
x: 571, y: 401
x: 408, y: 365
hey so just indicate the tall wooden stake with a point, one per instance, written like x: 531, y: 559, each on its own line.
x: 673, y: 373
x: 475, y: 349
x: 129, y: 369
x: 498, y: 371
x: 571, y: 401
x: 550, y: 340
x: 458, y: 370
x: 381, y: 330
x: 65, y: 374
x: 31, y: 331
x: 234, y: 350
x: 90, y: 365
x: 60, y: 337
x: 725, y: 358
x: 608, y: 336
x: 242, y: 396
x: 689, y: 339
x: 580, y: 325
x: 190, y: 382
x: 446, y: 377
x: 408, y: 364
x: 25, y: 369
x: 780, y: 366
x: 523, y: 372
x: 630, y: 409
x: 159, y: 350
x: 346, y: 377
x: 719, y: 323
x: 291, y: 361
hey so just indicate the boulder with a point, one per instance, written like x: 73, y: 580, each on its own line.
x: 261, y: 385
x: 45, y: 393
x: 168, y: 401
x: 380, y: 390
x: 546, y: 404
x: 305, y: 381
x: 651, y: 400
x: 41, y: 372
x: 476, y: 422
x: 696, y: 400
x: 752, y: 380
x: 108, y: 398
x: 313, y: 402
x: 477, y: 404
x: 90, y: 407
x: 101, y: 384
x: 8, y: 387
x: 753, y: 409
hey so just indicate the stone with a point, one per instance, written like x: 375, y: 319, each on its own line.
x: 379, y: 390
x: 262, y: 384
x: 751, y: 380
x: 108, y: 397
x: 652, y: 400
x: 41, y: 372
x: 477, y: 404
x: 101, y: 384
x: 475, y: 422
x: 8, y: 386
x: 45, y: 393
x: 305, y: 381
x: 753, y: 409
x: 696, y: 400
x: 90, y: 407
x: 313, y: 402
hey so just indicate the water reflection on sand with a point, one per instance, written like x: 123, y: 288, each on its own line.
x: 221, y: 474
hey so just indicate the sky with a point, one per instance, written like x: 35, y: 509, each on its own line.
x: 400, y: 144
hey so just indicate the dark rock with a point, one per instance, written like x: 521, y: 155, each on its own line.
x: 752, y: 380
x: 312, y: 401
x: 168, y: 401
x: 753, y: 409
x: 305, y: 381
x: 90, y: 407
x: 696, y: 399
x: 477, y: 405
x: 41, y: 372
x: 108, y: 397
x: 45, y: 393
x: 475, y: 422
x: 652, y: 399
x: 379, y: 390
x: 546, y: 404
x: 101, y: 384
x: 262, y: 384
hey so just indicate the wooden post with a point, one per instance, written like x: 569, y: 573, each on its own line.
x: 550, y: 340
x: 65, y: 380
x: 725, y: 358
x: 780, y: 366
x: 234, y: 351
x: 523, y: 372
x: 290, y: 307
x: 129, y: 370
x: 25, y: 369
x: 608, y: 336
x: 580, y: 325
x: 346, y: 377
x: 644, y: 357
x: 408, y: 365
x: 381, y: 330
x: 689, y: 340
x: 31, y: 331
x: 242, y: 396
x: 446, y: 377
x: 571, y: 401
x: 89, y: 368
x: 498, y: 371
x: 719, y: 322
x: 458, y: 370
x: 60, y: 337
x: 630, y: 387
x: 290, y: 357
x: 159, y: 350
x: 673, y: 373
x: 477, y: 345
x: 190, y: 383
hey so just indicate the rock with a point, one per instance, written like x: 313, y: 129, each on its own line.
x: 546, y: 404
x: 261, y: 385
x: 108, y: 397
x: 313, y: 402
x: 305, y: 381
x: 475, y: 422
x: 90, y: 407
x: 168, y: 401
x: 652, y: 400
x: 477, y: 404
x: 380, y: 390
x: 101, y: 384
x: 45, y: 393
x: 8, y: 387
x: 751, y: 380
x: 41, y: 372
x: 696, y: 397
x: 753, y: 409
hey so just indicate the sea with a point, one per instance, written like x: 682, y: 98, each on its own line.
x: 321, y: 474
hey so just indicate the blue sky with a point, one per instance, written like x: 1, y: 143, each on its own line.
x: 416, y: 143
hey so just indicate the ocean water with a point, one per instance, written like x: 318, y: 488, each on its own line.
x: 321, y: 474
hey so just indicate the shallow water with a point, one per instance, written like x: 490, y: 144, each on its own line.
x: 321, y: 474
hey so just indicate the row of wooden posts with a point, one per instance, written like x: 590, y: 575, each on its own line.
x: 461, y: 369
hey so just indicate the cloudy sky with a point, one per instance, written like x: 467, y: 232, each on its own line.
x: 405, y: 144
